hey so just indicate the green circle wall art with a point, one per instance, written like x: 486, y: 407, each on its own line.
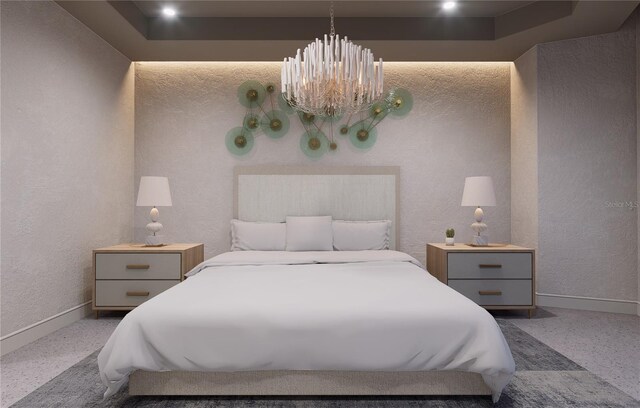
x: 268, y: 113
x: 400, y: 102
x: 251, y: 94
x: 314, y: 143
x: 275, y: 124
x: 363, y: 136
x: 239, y: 141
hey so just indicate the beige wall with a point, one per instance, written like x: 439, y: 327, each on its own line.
x: 587, y: 148
x: 459, y: 127
x: 637, y: 17
x: 574, y: 156
x: 67, y: 158
x: 524, y: 150
x: 575, y: 121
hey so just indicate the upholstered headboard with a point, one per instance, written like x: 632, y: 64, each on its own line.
x: 270, y: 193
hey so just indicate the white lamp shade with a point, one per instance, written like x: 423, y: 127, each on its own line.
x: 478, y: 192
x: 154, y: 192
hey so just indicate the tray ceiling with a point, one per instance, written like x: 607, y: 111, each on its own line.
x: 395, y: 30
x: 321, y: 8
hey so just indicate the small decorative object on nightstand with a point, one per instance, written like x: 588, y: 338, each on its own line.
x: 478, y: 192
x: 126, y: 275
x: 154, y: 192
x: 495, y: 277
x: 450, y: 233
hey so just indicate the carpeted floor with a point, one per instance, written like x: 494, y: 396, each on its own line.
x: 544, y: 378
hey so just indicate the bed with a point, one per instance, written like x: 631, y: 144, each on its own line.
x: 309, y: 322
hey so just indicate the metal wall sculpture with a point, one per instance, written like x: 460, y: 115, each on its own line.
x: 268, y: 114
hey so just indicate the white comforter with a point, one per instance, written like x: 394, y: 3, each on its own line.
x: 357, y: 311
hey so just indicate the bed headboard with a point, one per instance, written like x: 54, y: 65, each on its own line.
x: 270, y: 193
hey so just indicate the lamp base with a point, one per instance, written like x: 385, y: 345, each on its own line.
x: 480, y: 240
x: 154, y: 240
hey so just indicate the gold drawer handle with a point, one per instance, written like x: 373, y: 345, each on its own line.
x: 137, y: 266
x: 138, y: 294
x: 490, y: 292
x: 490, y: 266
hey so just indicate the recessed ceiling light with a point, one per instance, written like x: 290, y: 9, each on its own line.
x: 169, y: 12
x: 449, y: 5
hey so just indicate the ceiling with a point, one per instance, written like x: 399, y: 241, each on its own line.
x: 395, y: 30
x: 321, y: 8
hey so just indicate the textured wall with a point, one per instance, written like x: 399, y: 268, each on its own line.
x: 587, y: 159
x: 637, y: 17
x: 67, y: 158
x: 524, y: 150
x: 459, y: 127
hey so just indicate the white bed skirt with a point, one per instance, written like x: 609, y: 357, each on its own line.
x: 307, y: 383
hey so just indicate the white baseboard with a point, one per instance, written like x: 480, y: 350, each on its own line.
x: 26, y: 335
x: 588, y: 303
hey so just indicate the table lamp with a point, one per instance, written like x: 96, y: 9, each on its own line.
x: 479, y: 192
x: 154, y: 192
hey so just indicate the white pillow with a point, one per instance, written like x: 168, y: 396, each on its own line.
x: 309, y: 234
x: 258, y: 236
x: 361, y: 235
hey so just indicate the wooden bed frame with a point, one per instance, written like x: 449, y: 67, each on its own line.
x: 269, y: 193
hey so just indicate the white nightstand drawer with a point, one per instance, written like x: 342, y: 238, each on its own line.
x: 120, y: 293
x: 489, y: 265
x: 486, y: 292
x: 138, y: 266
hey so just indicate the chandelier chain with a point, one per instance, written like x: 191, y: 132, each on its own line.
x: 333, y: 29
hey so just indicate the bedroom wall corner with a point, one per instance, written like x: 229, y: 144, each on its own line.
x: 459, y: 127
x: 637, y: 18
x: 587, y: 169
x: 524, y: 150
x: 67, y: 165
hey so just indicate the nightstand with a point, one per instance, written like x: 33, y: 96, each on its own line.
x: 127, y: 275
x: 497, y: 277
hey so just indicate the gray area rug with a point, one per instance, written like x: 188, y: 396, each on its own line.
x: 544, y: 378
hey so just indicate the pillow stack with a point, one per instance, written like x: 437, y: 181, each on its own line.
x: 361, y: 235
x: 310, y: 234
x: 258, y: 236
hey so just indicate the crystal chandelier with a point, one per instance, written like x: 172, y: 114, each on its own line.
x: 332, y: 78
